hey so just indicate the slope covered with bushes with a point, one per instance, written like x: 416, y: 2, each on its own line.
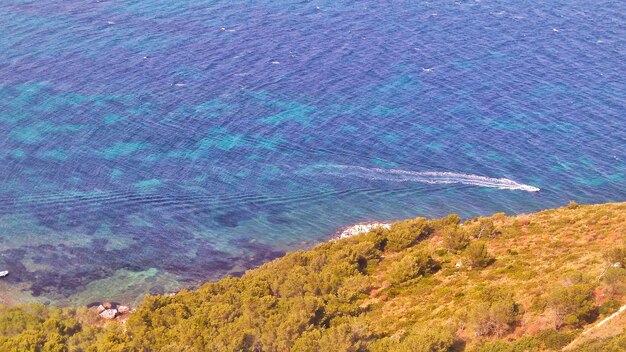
x: 521, y: 283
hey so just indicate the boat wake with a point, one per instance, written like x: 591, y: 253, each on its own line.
x: 431, y: 177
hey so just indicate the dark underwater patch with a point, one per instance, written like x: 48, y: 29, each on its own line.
x: 277, y: 219
x: 255, y: 252
x: 71, y: 268
x: 233, y: 217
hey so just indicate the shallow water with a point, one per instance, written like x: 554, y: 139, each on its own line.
x: 149, y: 145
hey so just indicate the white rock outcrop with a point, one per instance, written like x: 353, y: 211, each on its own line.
x: 108, y: 313
x: 360, y: 228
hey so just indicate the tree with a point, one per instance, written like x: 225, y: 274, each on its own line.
x: 406, y: 233
x: 428, y: 339
x: 495, y: 318
x: 455, y: 239
x: 555, y: 340
x: 495, y: 314
x: 422, y: 338
x: 615, y: 280
x: 477, y: 254
x: 485, y: 228
x: 448, y: 220
x: 571, y: 305
x: 347, y: 337
x: 409, y: 267
x: 616, y: 255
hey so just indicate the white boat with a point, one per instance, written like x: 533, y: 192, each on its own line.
x: 4, y: 273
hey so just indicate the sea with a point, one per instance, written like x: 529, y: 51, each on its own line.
x: 152, y: 145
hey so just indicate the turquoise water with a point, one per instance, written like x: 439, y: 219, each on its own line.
x: 152, y: 145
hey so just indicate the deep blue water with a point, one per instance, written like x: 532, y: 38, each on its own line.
x: 152, y: 144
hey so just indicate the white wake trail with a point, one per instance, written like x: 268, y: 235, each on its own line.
x: 396, y: 175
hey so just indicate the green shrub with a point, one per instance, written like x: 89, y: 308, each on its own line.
x: 353, y: 287
x: 441, y: 252
x: 609, y: 307
x: 496, y: 314
x: 348, y: 337
x: 524, y: 344
x: 455, y: 239
x: 410, y: 266
x: 485, y: 228
x: 555, y: 340
x: 419, y: 339
x: 406, y: 233
x: 615, y: 343
x: 429, y: 339
x: 616, y: 255
x: 37, y: 328
x: 574, y: 277
x: 477, y: 254
x: 495, y: 346
x: 571, y: 305
x: 451, y: 220
x: 615, y: 280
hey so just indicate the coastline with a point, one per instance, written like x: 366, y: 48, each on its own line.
x: 412, y: 266
x: 360, y: 228
x: 12, y: 294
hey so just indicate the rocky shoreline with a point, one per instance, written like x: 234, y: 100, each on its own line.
x: 360, y: 228
x: 115, y: 311
x: 110, y: 310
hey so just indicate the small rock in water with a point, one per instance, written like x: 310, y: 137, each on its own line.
x: 107, y: 305
x: 4, y: 273
x: 123, y: 309
x: 109, y: 313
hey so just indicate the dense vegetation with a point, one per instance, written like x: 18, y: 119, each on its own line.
x: 524, y: 283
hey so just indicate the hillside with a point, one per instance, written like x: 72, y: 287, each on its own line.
x: 500, y: 283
